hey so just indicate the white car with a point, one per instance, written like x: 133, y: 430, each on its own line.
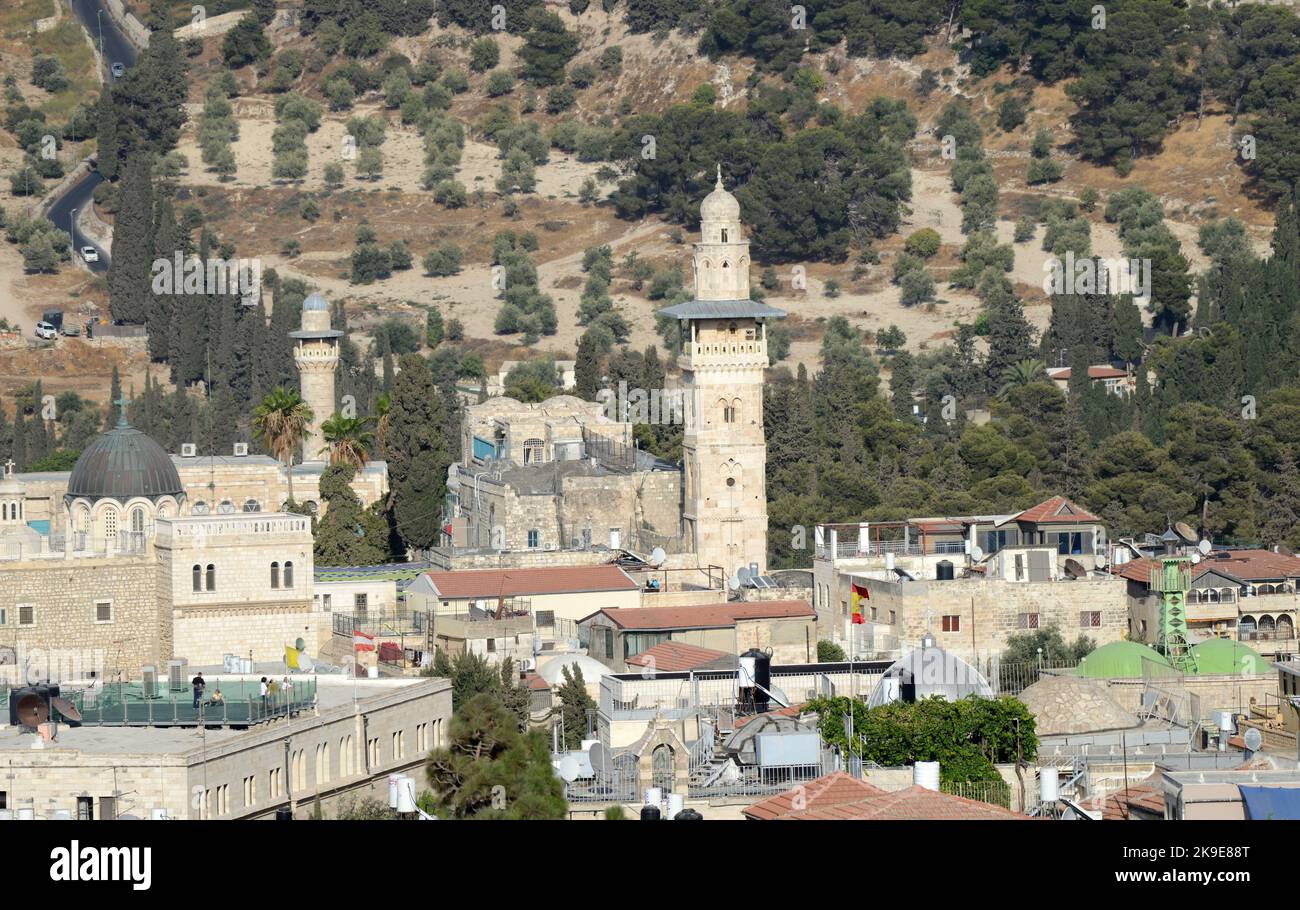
x: 90, y: 254
x: 45, y: 330
x: 118, y: 70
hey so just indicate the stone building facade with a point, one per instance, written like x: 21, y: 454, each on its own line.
x: 238, y: 584
x: 341, y: 748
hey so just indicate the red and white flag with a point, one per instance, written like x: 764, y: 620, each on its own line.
x: 362, y: 642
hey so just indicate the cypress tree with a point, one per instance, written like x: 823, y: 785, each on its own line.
x: 129, y: 277
x: 114, y: 394
x: 902, y: 382
x: 158, y: 318
x: 20, y: 439
x: 417, y: 453
x: 106, y: 141
x: 586, y: 370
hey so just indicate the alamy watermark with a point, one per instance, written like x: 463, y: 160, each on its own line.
x: 1089, y: 275
x: 217, y: 277
x: 660, y: 407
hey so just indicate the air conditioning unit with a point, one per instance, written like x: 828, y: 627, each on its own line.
x: 150, y: 684
x: 189, y: 450
x: 176, y: 673
x: 241, y: 449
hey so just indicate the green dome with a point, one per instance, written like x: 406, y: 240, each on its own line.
x: 1223, y: 655
x: 1119, y: 659
x: 121, y: 464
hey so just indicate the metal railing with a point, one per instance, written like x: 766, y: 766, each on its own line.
x: 1013, y: 677
x: 855, y: 548
x: 763, y: 781
x: 389, y: 622
x: 995, y: 792
x: 124, y: 705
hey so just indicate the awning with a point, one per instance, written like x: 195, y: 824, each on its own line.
x: 1273, y: 803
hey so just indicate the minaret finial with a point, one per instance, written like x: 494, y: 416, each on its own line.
x: 122, y: 401
x: 718, y: 185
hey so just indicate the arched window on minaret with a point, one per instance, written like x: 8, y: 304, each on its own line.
x: 724, y: 235
x: 735, y: 409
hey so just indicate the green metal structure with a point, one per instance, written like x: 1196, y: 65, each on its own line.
x: 1173, y: 581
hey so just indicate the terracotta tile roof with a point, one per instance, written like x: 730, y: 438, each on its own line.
x: 823, y: 793
x: 490, y: 583
x: 916, y: 803
x: 674, y: 656
x: 534, y: 682
x: 1100, y: 371
x: 1056, y: 509
x: 1246, y: 565
x: 704, y: 616
x: 1145, y: 795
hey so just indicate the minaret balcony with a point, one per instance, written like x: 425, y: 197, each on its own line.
x: 723, y: 353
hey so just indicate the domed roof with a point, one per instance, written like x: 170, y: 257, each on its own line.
x: 1072, y: 704
x: 1119, y: 659
x: 553, y: 670
x: 1223, y: 655
x: 719, y: 205
x: 121, y: 464
x: 315, y: 302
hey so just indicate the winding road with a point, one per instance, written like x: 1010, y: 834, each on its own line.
x: 116, y: 49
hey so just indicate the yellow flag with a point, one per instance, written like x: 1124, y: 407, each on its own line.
x: 291, y: 657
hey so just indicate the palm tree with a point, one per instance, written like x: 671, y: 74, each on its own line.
x: 1020, y: 374
x: 280, y: 422
x: 348, y: 440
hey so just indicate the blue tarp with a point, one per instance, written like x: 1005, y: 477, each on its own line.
x: 1279, y: 803
x: 484, y: 449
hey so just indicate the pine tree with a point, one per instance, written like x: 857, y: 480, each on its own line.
x: 129, y: 280
x: 577, y: 706
x: 902, y: 383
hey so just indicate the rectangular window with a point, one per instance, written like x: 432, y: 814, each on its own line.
x: 26, y: 615
x: 327, y: 602
x: 534, y: 539
x: 108, y: 808
x: 492, y: 645
x: 609, y: 644
x: 4, y: 616
x: 359, y: 603
x: 1090, y: 619
x: 952, y: 623
x: 546, y: 618
x: 85, y: 808
x: 1028, y: 620
x: 104, y: 611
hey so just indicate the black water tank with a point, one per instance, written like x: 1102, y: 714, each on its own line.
x: 943, y: 571
x: 688, y: 815
x: 284, y: 815
x: 755, y: 679
x: 649, y: 813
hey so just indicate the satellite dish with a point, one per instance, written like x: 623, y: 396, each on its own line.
x: 1196, y: 557
x: 599, y: 758
x: 1204, y: 546
x: 657, y: 556
x: 976, y: 553
x: 569, y: 768
x: 66, y: 708
x: 1253, y: 739
x: 734, y: 582
x: 1101, y: 560
x: 1075, y: 569
x: 743, y: 574
x: 1185, y: 531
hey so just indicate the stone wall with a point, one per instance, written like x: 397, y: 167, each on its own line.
x: 64, y: 595
x: 989, y: 610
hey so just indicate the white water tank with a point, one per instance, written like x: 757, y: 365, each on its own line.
x: 889, y: 561
x: 372, y: 672
x: 406, y: 798
x: 26, y: 814
x: 675, y: 804
x: 926, y: 774
x: 1227, y: 726
x: 158, y: 815
x: 654, y: 796
x: 1049, y: 785
x: 63, y: 815
x: 394, y: 780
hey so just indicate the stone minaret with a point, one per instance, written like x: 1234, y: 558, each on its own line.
x: 317, y: 356
x: 724, y: 354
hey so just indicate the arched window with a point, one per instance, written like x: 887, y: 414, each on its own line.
x: 1285, y: 628
x: 252, y: 505
x: 200, y: 508
x: 212, y: 577
x: 4, y: 511
x: 534, y: 451
x: 110, y: 523
x: 663, y: 768
x: 197, y: 572
x: 275, y: 575
x: 1246, y: 625
x: 724, y: 235
x: 226, y: 507
x: 137, y: 521
x: 1266, y: 625
x: 728, y: 413
x: 288, y: 575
